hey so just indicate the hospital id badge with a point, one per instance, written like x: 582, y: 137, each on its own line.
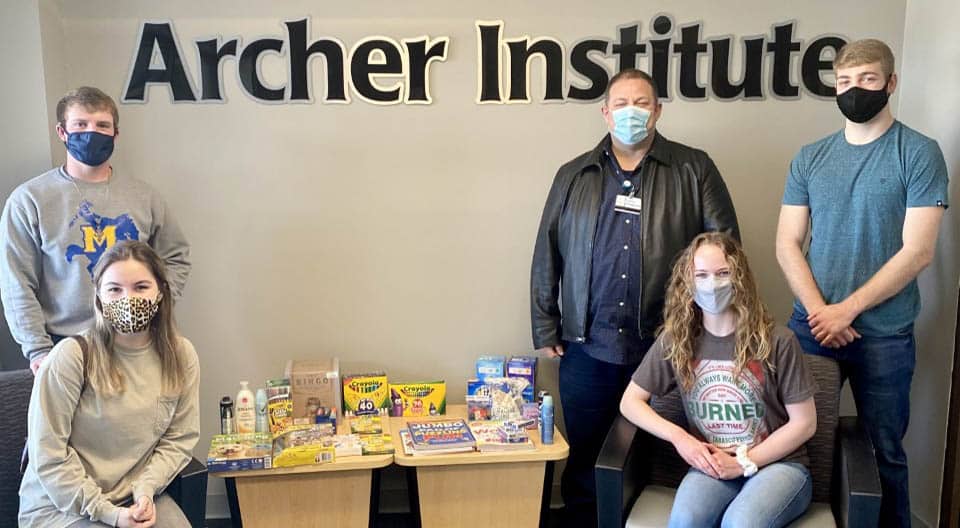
x: 627, y: 204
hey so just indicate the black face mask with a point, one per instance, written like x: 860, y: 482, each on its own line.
x: 860, y: 105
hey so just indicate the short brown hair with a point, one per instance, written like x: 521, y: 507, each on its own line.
x: 631, y: 73
x: 91, y: 99
x: 866, y: 51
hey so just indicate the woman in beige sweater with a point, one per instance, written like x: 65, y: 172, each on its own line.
x: 114, y: 413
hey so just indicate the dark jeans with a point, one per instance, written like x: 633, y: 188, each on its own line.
x: 880, y: 370
x: 590, y: 392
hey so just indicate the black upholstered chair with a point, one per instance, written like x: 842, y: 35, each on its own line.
x: 637, y: 474
x: 189, y: 489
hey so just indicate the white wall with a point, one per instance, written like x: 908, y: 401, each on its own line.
x: 54, y: 70
x: 400, y: 237
x: 24, y: 147
x: 930, y: 74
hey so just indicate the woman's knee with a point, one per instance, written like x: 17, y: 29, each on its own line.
x: 169, y: 513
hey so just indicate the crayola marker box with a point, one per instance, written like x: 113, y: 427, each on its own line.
x: 366, y: 393
x: 418, y: 399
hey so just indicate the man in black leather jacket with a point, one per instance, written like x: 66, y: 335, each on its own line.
x: 614, y: 221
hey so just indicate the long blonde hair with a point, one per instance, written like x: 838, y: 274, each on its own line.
x: 683, y: 319
x: 102, y: 371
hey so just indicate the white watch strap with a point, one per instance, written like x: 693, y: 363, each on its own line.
x: 749, y: 467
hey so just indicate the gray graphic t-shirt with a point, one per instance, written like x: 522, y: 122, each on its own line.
x: 728, y: 412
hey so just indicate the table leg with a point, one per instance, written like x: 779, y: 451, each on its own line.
x: 235, y: 519
x: 413, y: 496
x: 547, y: 491
x: 374, y: 498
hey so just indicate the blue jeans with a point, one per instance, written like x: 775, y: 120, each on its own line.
x: 880, y: 370
x: 776, y: 495
x: 590, y: 392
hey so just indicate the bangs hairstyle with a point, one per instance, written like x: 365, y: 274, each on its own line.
x: 90, y: 98
x: 102, y: 371
x: 683, y: 319
x: 866, y: 51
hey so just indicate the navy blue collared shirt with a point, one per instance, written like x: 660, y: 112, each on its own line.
x: 615, y: 281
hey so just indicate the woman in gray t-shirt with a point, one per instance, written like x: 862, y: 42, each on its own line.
x: 746, y: 390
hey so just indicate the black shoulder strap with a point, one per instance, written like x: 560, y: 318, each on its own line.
x: 82, y: 341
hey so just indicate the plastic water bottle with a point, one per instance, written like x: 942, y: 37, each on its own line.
x: 546, y: 420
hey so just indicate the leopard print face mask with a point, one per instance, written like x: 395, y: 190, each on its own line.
x: 129, y: 315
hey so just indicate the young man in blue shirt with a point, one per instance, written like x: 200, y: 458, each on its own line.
x: 874, y: 194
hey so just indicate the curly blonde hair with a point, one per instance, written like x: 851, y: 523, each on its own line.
x: 683, y: 319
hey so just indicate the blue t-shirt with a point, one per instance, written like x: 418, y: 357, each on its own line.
x: 858, y: 196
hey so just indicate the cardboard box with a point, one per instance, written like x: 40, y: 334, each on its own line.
x: 314, y: 386
x: 380, y: 444
x: 304, y: 445
x: 476, y: 387
x: 490, y: 367
x: 237, y: 452
x: 418, y: 399
x: 524, y: 367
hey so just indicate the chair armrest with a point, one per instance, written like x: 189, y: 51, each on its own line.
x: 621, y: 472
x: 856, y: 498
x: 189, y: 491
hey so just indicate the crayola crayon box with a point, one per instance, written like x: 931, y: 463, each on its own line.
x: 418, y: 399
x: 366, y: 393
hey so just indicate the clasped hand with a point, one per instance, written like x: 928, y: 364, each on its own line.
x: 708, y: 458
x: 830, y: 325
x: 141, y: 515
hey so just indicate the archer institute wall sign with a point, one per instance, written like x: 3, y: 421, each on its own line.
x: 387, y: 70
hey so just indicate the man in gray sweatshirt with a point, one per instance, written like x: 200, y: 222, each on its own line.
x: 55, y: 227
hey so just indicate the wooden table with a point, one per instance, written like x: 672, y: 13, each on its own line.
x: 480, y: 489
x: 343, y: 493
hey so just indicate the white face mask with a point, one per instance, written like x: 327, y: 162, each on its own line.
x: 713, y: 295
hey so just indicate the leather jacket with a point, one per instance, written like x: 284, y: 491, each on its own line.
x: 682, y: 194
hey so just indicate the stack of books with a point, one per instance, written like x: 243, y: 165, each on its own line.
x: 494, y: 436
x: 437, y: 437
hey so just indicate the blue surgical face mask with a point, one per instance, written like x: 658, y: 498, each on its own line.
x: 713, y: 295
x: 90, y: 148
x: 630, y: 124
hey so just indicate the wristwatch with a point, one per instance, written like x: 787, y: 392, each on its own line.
x: 749, y: 467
